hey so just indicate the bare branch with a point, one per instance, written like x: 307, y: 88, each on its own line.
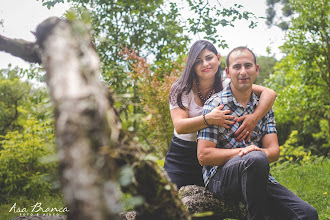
x: 26, y: 50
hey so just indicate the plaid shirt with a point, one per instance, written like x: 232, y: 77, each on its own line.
x: 225, y: 138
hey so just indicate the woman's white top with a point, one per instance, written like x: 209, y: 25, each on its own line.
x: 194, y: 110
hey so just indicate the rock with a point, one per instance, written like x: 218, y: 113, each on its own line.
x: 198, y: 200
x: 128, y: 215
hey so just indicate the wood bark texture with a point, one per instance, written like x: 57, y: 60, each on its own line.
x: 86, y: 123
x: 91, y: 146
x: 25, y: 50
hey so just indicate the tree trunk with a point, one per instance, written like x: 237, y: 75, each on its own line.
x: 91, y: 148
x: 86, y: 123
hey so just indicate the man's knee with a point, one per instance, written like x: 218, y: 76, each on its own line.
x: 257, y: 158
x: 310, y: 213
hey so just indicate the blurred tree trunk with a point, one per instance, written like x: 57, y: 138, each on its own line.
x: 86, y: 122
x: 91, y: 147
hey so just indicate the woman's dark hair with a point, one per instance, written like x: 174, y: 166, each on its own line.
x: 184, y: 83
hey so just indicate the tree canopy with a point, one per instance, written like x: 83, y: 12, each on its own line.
x: 302, y: 77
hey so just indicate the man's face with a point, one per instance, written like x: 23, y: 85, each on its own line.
x: 242, y: 70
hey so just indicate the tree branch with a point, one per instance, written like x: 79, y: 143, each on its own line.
x: 23, y: 49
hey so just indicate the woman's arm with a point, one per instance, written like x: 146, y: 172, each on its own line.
x: 267, y: 99
x: 184, y: 125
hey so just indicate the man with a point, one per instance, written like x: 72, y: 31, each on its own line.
x: 235, y: 170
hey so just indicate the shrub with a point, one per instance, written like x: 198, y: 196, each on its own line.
x: 22, y: 171
x: 154, y: 84
x: 292, y: 151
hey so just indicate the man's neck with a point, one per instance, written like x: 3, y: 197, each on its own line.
x: 243, y: 97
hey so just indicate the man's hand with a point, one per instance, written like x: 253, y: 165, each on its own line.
x: 245, y: 130
x: 250, y: 148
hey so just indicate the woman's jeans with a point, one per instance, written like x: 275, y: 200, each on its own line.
x: 246, y: 179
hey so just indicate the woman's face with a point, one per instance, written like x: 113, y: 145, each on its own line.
x: 206, y: 64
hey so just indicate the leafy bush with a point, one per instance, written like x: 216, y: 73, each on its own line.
x: 297, y: 148
x: 154, y: 84
x: 14, y: 103
x: 321, y: 139
x: 292, y: 151
x: 22, y: 171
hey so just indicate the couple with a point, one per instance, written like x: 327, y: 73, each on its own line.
x: 235, y: 133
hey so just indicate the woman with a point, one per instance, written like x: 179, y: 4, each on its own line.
x: 201, y: 78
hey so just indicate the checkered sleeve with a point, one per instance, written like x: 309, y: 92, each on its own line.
x: 270, y: 125
x: 209, y: 133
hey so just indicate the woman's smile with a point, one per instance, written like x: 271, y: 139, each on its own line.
x: 207, y: 69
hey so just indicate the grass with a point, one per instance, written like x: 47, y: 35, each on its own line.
x: 309, y: 181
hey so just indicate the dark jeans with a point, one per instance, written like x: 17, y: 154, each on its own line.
x: 246, y: 178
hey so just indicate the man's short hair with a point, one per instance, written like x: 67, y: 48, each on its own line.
x: 241, y: 48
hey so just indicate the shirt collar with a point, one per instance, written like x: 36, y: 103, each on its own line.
x: 253, y: 98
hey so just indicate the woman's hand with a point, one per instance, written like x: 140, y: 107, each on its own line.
x: 245, y: 130
x: 219, y: 117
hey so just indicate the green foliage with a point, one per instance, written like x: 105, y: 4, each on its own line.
x: 302, y: 78
x: 292, y: 151
x: 26, y: 138
x: 266, y: 68
x: 321, y: 140
x: 13, y: 96
x: 156, y: 31
x: 21, y: 168
x: 153, y: 88
x: 309, y: 180
x: 50, y: 3
x: 152, y: 28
